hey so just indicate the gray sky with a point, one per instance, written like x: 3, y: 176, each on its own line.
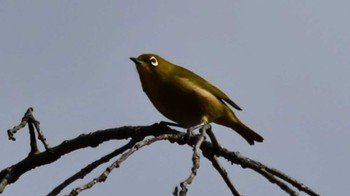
x: 286, y: 63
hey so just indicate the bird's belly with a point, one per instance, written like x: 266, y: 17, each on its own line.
x: 180, y: 110
x: 187, y: 106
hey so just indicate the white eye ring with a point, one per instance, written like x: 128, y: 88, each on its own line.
x: 153, y: 61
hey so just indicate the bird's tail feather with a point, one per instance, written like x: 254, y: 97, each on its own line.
x: 247, y: 133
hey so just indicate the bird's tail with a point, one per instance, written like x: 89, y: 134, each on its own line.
x: 247, y: 133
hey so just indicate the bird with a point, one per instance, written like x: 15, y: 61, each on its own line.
x: 186, y: 98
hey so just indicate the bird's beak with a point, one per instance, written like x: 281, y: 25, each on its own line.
x: 135, y: 60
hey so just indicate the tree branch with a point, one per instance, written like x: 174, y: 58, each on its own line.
x: 11, y: 174
x: 215, y: 161
x: 195, y: 162
x: 294, y: 182
x: 33, y: 125
x: 86, y: 170
x: 103, y: 177
x: 245, y: 162
x: 211, y: 150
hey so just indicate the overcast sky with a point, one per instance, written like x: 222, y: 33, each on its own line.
x: 286, y: 63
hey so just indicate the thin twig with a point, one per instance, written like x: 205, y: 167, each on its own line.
x: 41, y: 136
x: 24, y: 121
x: 215, y: 161
x: 86, y: 170
x: 117, y: 163
x: 33, y: 125
x: 284, y: 186
x: 195, y: 161
x: 213, y: 139
x: 245, y: 162
x: 295, y: 183
x: 33, y: 145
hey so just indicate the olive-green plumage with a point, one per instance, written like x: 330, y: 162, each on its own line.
x: 186, y: 98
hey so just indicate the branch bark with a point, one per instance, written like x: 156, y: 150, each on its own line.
x: 136, y: 135
x: 11, y: 174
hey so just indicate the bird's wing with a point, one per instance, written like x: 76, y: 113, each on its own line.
x: 221, y: 95
x: 201, y: 82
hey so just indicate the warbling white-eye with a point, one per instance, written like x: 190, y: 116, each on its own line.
x: 186, y: 98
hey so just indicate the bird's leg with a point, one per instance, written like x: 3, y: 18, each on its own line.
x: 204, y: 125
x: 191, y: 129
x: 207, y: 128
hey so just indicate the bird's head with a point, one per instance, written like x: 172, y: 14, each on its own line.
x: 152, y: 64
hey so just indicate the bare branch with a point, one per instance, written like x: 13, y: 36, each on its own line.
x: 11, y: 174
x: 214, y: 160
x: 33, y: 125
x: 33, y: 145
x: 213, y: 139
x: 245, y: 162
x: 103, y: 177
x: 86, y: 170
x: 211, y: 150
x: 24, y: 121
x: 195, y: 161
x: 284, y: 186
x: 41, y: 136
x: 295, y: 183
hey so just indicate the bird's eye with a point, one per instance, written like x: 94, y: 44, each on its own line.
x: 153, y: 61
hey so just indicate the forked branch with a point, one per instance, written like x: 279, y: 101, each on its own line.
x: 137, y: 139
